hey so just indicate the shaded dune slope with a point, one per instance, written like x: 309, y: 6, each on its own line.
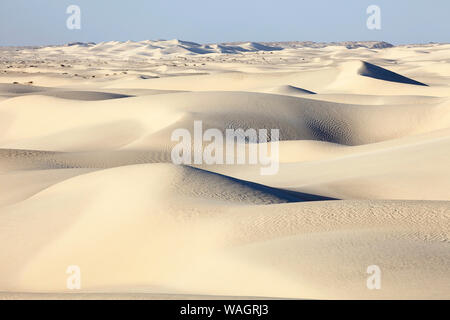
x: 373, y: 71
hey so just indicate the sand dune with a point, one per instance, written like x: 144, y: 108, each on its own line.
x: 288, y: 90
x: 147, y: 121
x: 157, y: 48
x: 373, y: 71
x: 382, y: 172
x: 302, y: 237
x: 87, y: 179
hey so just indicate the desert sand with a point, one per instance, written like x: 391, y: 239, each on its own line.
x: 86, y: 176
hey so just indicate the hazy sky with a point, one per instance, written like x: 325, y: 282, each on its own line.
x: 39, y: 22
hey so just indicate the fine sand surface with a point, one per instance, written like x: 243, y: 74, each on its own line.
x: 86, y: 176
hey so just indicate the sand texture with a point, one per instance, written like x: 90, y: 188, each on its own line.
x: 86, y: 176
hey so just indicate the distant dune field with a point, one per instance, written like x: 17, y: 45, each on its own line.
x: 86, y: 176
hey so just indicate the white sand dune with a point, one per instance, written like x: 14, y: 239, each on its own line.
x: 411, y: 170
x: 86, y: 176
x: 376, y: 72
x: 288, y: 90
x: 15, y: 90
x: 143, y: 122
x: 96, y: 231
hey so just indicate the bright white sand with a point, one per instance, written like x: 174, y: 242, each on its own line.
x: 86, y: 177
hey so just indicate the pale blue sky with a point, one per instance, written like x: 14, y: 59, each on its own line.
x: 39, y: 22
